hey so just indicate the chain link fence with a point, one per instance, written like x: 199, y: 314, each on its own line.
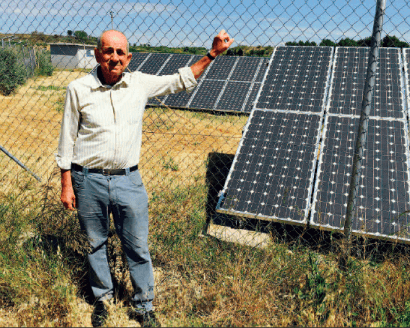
x: 186, y: 155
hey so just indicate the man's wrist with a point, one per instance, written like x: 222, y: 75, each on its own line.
x: 212, y: 54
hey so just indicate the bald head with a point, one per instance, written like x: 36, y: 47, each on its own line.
x: 112, y: 34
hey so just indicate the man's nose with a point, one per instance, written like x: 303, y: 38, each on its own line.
x: 114, y: 56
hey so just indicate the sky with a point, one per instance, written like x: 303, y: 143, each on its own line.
x: 194, y: 23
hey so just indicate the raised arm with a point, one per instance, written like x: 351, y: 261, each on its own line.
x: 221, y: 43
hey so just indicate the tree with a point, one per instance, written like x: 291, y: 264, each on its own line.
x: 230, y: 52
x: 70, y: 33
x: 80, y: 35
x: 347, y: 43
x: 366, y: 42
x: 12, y: 71
x: 327, y: 43
x: 393, y: 41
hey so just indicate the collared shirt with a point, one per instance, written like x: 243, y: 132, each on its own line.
x: 102, y: 125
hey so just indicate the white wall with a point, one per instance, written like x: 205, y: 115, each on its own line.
x: 86, y: 58
x: 64, y: 61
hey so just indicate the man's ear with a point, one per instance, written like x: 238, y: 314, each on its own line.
x: 97, y: 55
x: 129, y: 56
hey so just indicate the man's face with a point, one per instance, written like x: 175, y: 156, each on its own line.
x: 113, y: 57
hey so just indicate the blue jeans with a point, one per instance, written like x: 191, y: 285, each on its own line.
x: 125, y: 197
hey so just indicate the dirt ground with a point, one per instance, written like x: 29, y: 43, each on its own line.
x: 176, y: 143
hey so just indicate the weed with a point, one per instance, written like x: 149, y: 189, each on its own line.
x: 170, y: 165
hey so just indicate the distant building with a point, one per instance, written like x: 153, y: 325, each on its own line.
x: 71, y: 55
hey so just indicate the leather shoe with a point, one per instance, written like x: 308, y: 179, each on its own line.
x: 99, y: 315
x: 146, y: 318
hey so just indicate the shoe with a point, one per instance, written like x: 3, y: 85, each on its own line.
x: 146, y: 319
x: 99, y: 315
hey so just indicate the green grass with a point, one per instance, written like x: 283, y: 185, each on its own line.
x: 205, y: 281
x: 50, y: 87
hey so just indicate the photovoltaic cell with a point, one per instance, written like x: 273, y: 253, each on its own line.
x: 383, y: 196
x: 271, y: 176
x: 153, y: 64
x: 297, y: 79
x: 234, y: 96
x: 348, y: 81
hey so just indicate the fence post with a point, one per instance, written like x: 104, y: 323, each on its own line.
x: 363, y: 126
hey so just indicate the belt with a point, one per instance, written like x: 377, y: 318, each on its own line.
x: 77, y: 167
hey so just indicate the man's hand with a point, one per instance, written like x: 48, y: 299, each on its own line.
x: 221, y: 43
x: 67, y: 192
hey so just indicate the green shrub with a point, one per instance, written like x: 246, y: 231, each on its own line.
x: 44, y: 65
x: 12, y: 71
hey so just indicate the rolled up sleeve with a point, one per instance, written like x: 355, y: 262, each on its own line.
x: 188, y: 78
x: 68, y: 131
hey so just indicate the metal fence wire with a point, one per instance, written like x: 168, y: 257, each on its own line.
x: 187, y: 152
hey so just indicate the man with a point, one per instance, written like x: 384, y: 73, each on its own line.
x: 98, y: 154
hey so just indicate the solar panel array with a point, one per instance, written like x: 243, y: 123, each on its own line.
x: 265, y: 180
x: 273, y: 170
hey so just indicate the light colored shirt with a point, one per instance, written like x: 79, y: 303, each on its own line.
x: 102, y: 125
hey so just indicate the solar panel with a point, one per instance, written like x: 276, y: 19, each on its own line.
x: 181, y: 99
x: 175, y: 62
x: 137, y: 59
x: 154, y: 63
x: 171, y: 66
x: 234, y: 96
x: 272, y: 173
x: 297, y: 79
x: 383, y: 196
x: 246, y: 68
x: 207, y: 94
x: 221, y: 68
x: 348, y: 80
